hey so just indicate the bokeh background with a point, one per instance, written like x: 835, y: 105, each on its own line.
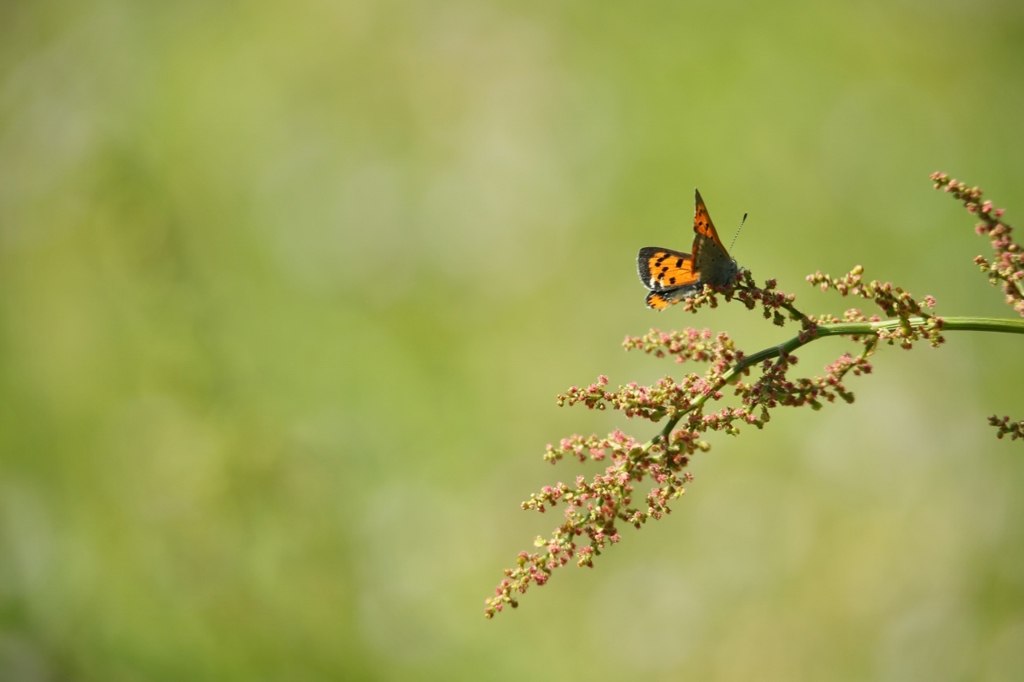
x: 287, y: 291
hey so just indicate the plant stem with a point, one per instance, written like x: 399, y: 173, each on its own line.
x: 977, y: 324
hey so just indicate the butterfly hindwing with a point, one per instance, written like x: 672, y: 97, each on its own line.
x: 659, y: 300
x: 662, y: 269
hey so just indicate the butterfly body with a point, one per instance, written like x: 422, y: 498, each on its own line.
x: 673, y: 275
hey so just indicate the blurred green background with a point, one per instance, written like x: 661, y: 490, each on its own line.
x: 287, y: 291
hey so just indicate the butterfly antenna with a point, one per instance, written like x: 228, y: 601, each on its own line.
x: 738, y: 231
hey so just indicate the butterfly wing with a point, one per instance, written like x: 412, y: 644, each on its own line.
x: 710, y: 259
x: 659, y: 300
x: 668, y: 274
x: 661, y: 269
x: 702, y: 225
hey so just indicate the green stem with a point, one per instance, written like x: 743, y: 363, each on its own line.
x: 973, y: 324
x: 977, y: 324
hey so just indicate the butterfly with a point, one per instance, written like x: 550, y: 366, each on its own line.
x: 673, y: 275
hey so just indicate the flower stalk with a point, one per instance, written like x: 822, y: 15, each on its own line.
x: 593, y: 509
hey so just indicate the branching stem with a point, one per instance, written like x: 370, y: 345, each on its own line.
x: 978, y: 324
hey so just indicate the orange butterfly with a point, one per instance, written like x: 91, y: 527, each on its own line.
x: 673, y: 275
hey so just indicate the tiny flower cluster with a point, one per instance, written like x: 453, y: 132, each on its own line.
x: 746, y: 291
x: 915, y: 322
x: 592, y: 508
x: 772, y: 301
x: 1007, y: 267
x: 774, y: 388
x: 689, y: 344
x: 1006, y: 427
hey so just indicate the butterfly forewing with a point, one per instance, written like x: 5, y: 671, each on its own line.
x: 702, y: 224
x: 661, y: 268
